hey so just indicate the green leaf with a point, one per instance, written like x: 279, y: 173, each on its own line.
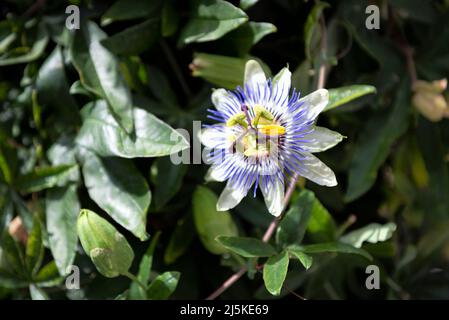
x: 247, y: 35
x: 372, y: 233
x: 293, y: 226
x: 311, y: 25
x: 119, y: 189
x: 13, y: 259
x: 167, y: 178
x: 209, y: 222
x: 210, y: 20
x: 101, y: 134
x: 134, y: 40
x: 48, y: 275
x: 146, y: 263
x: 130, y: 9
x: 61, y: 210
x: 321, y: 226
x: 63, y: 152
x: 274, y: 272
x: 109, y: 250
x: 223, y: 71
x: 34, y: 252
x: 100, y: 72
x: 180, y: 239
x: 53, y: 88
x: 343, y: 95
x: 37, y: 293
x: 163, y: 286
x: 375, y: 141
x: 336, y: 247
x: 34, y: 52
x: 247, y: 247
x: 246, y: 4
x: 170, y: 18
x: 43, y: 178
x: 305, y: 259
x: 432, y: 145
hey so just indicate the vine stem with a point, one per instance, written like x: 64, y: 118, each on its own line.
x: 288, y: 194
x: 134, y: 278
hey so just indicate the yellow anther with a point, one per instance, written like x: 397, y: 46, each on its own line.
x: 272, y: 130
x: 239, y: 118
x: 261, y: 114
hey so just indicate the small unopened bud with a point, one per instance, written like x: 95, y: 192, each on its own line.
x: 110, y: 252
x: 431, y: 105
x: 17, y: 230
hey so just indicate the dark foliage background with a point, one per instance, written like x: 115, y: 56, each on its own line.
x: 60, y: 89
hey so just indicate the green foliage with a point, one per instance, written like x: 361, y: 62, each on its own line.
x: 88, y: 119
x: 209, y: 222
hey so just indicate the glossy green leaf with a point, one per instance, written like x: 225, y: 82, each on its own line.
x: 109, y: 250
x: 247, y: 247
x: 343, y: 95
x: 53, y: 88
x: 247, y: 35
x: 304, y: 258
x: 210, y: 20
x: 246, y: 4
x: 119, y: 189
x: 34, y: 251
x: 321, y: 226
x: 274, y: 272
x: 223, y: 71
x: 335, y: 247
x: 130, y: 9
x: 180, y: 239
x: 101, y: 134
x: 100, y: 73
x: 167, y: 178
x: 163, y: 286
x: 209, y: 222
x: 374, y: 143
x: 32, y: 53
x: 61, y: 210
x: 134, y: 40
x: 146, y: 263
x: 37, y: 293
x: 63, y: 152
x: 371, y: 233
x: 48, y: 275
x: 292, y: 227
x: 43, y: 178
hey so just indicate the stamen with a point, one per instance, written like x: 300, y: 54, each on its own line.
x: 248, y: 118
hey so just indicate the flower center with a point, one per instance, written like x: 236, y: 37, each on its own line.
x: 261, y: 133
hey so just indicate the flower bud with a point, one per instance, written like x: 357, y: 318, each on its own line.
x: 108, y: 249
x: 17, y: 230
x: 428, y: 99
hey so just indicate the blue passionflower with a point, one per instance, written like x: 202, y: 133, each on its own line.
x: 266, y: 135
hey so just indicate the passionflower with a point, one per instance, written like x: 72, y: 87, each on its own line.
x: 266, y: 134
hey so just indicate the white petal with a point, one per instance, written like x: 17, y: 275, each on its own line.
x: 215, y: 173
x: 224, y: 102
x: 273, y: 194
x: 230, y: 197
x: 254, y: 74
x: 313, y: 169
x: 281, y: 86
x: 214, y: 137
x: 315, y: 102
x: 321, y: 139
